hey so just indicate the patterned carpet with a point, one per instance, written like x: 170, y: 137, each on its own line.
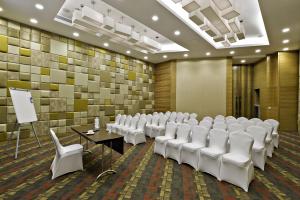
x: 141, y: 175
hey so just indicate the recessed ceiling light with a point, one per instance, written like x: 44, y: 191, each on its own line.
x: 1, y: 9
x: 285, y: 49
x: 39, y: 6
x: 257, y: 50
x: 285, y: 30
x: 185, y: 55
x: 34, y: 21
x: 105, y: 44
x: 208, y: 53
x: 75, y: 34
x: 155, y: 18
x: 177, y: 32
x: 98, y: 34
x: 243, y: 61
x: 285, y: 41
x: 146, y: 57
x: 165, y: 56
x: 128, y: 51
x: 232, y: 52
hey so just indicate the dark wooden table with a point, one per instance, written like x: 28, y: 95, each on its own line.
x: 111, y: 140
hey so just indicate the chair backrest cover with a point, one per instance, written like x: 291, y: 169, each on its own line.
x: 241, y: 119
x: 171, y: 129
x: 117, y: 120
x: 173, y: 117
x: 193, y: 116
x: 143, y: 115
x: 207, y: 118
x: 155, y: 113
x: 192, y: 122
x: 241, y: 143
x: 58, y: 146
x: 183, y: 132
x: 141, y: 124
x: 122, y: 120
x: 179, y: 117
x: 258, y: 133
x: 256, y: 120
x: 128, y: 120
x: 186, y: 116
x: 219, y: 121
x: 268, y: 128
x: 220, y: 117
x: 137, y: 114
x: 155, y: 119
x: 205, y: 123
x: 199, y: 135
x: 167, y: 114
x: 220, y: 125
x: 230, y: 118
x: 134, y: 122
x: 274, y: 123
x: 218, y: 139
x: 149, y: 118
x: 231, y: 121
x: 247, y: 123
x: 235, y: 127
x: 162, y: 121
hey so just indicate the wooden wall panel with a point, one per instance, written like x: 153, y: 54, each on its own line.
x: 229, y: 88
x: 165, y: 87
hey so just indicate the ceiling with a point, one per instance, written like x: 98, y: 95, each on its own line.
x: 277, y: 14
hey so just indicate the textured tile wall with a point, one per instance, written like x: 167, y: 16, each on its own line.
x: 71, y: 82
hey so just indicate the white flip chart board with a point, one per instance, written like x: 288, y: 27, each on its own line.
x: 23, y: 105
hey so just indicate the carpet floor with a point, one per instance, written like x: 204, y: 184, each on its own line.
x: 141, y: 174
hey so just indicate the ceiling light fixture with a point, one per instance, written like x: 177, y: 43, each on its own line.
x: 155, y: 18
x: 177, y: 32
x: 1, y: 9
x: 128, y: 52
x: 75, y: 34
x: 285, y: 41
x: 208, y: 53
x: 257, y: 50
x: 285, y: 49
x: 105, y: 44
x: 165, y: 56
x: 185, y: 55
x: 243, y: 61
x: 34, y: 21
x: 232, y: 52
x: 285, y: 30
x: 146, y: 57
x: 39, y: 6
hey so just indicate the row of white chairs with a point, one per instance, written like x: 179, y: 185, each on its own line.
x: 188, y: 144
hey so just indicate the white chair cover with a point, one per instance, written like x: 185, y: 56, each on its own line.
x: 207, y: 118
x: 247, y: 123
x: 67, y: 159
x: 161, y: 141
x: 154, y: 122
x: 179, y: 118
x: 237, y: 166
x: 172, y: 117
x: 125, y: 126
x: 230, y: 118
x: 256, y: 120
x: 190, y: 151
x: 269, y: 141
x: 193, y: 116
x: 259, y: 154
x: 275, y: 135
x: 205, y: 123
x: 231, y: 121
x: 137, y: 135
x: 220, y: 125
x: 220, y: 117
x: 235, y: 127
x: 242, y: 119
x: 159, y: 130
x: 173, y: 146
x: 122, y: 123
x: 117, y: 121
x: 132, y: 126
x: 209, y: 157
x: 192, y: 122
x: 186, y: 117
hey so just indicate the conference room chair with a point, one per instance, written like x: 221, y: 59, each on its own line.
x: 241, y: 119
x: 230, y: 118
x: 179, y: 118
x: 173, y: 146
x: 148, y: 119
x: 186, y: 117
x: 117, y: 122
x: 137, y: 136
x: 236, y: 165
x: 67, y: 158
x: 220, y: 117
x: 137, y: 115
x: 207, y: 118
x: 160, y: 128
x: 259, y: 154
x: 207, y: 124
x: 247, y: 123
x: 161, y: 141
x: 220, y: 125
x: 231, y: 121
x: 172, y: 117
x: 132, y: 126
x: 143, y: 115
x: 167, y: 114
x: 190, y: 151
x: 235, y: 127
x: 256, y: 120
x: 154, y: 122
x: 219, y: 120
x: 122, y: 123
x: 269, y: 141
x: 275, y: 135
x: 125, y: 126
x: 209, y: 157
x: 193, y: 116
x: 192, y: 122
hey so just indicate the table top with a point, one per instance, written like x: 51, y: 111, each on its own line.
x: 99, y: 136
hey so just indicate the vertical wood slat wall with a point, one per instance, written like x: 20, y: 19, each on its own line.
x: 229, y: 89
x: 165, y: 87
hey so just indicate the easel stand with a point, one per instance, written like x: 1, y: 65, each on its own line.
x: 18, y: 128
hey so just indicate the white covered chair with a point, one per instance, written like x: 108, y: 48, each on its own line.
x: 161, y: 141
x: 206, y: 123
x: 148, y: 119
x: 160, y: 128
x: 275, y: 134
x: 167, y: 114
x: 231, y: 121
x: 137, y: 136
x: 122, y: 123
x: 132, y: 126
x: 220, y: 125
x: 193, y: 116
x: 137, y: 115
x: 235, y: 127
x: 143, y: 115
x: 242, y: 119
x: 186, y: 117
x: 192, y: 122
x: 247, y: 123
x: 207, y: 118
x: 220, y: 117
x: 230, y: 118
x: 67, y: 159
x: 125, y: 126
x: 172, y: 117
x: 237, y: 166
x: 255, y: 120
x: 117, y: 122
x: 209, y: 157
x: 190, y: 151
x: 259, y: 154
x: 154, y: 122
x: 173, y: 146
x: 269, y: 141
x: 179, y: 118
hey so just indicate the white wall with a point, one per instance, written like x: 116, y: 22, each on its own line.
x: 201, y: 87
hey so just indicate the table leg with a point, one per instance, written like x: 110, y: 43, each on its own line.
x: 87, y: 147
x: 110, y: 170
